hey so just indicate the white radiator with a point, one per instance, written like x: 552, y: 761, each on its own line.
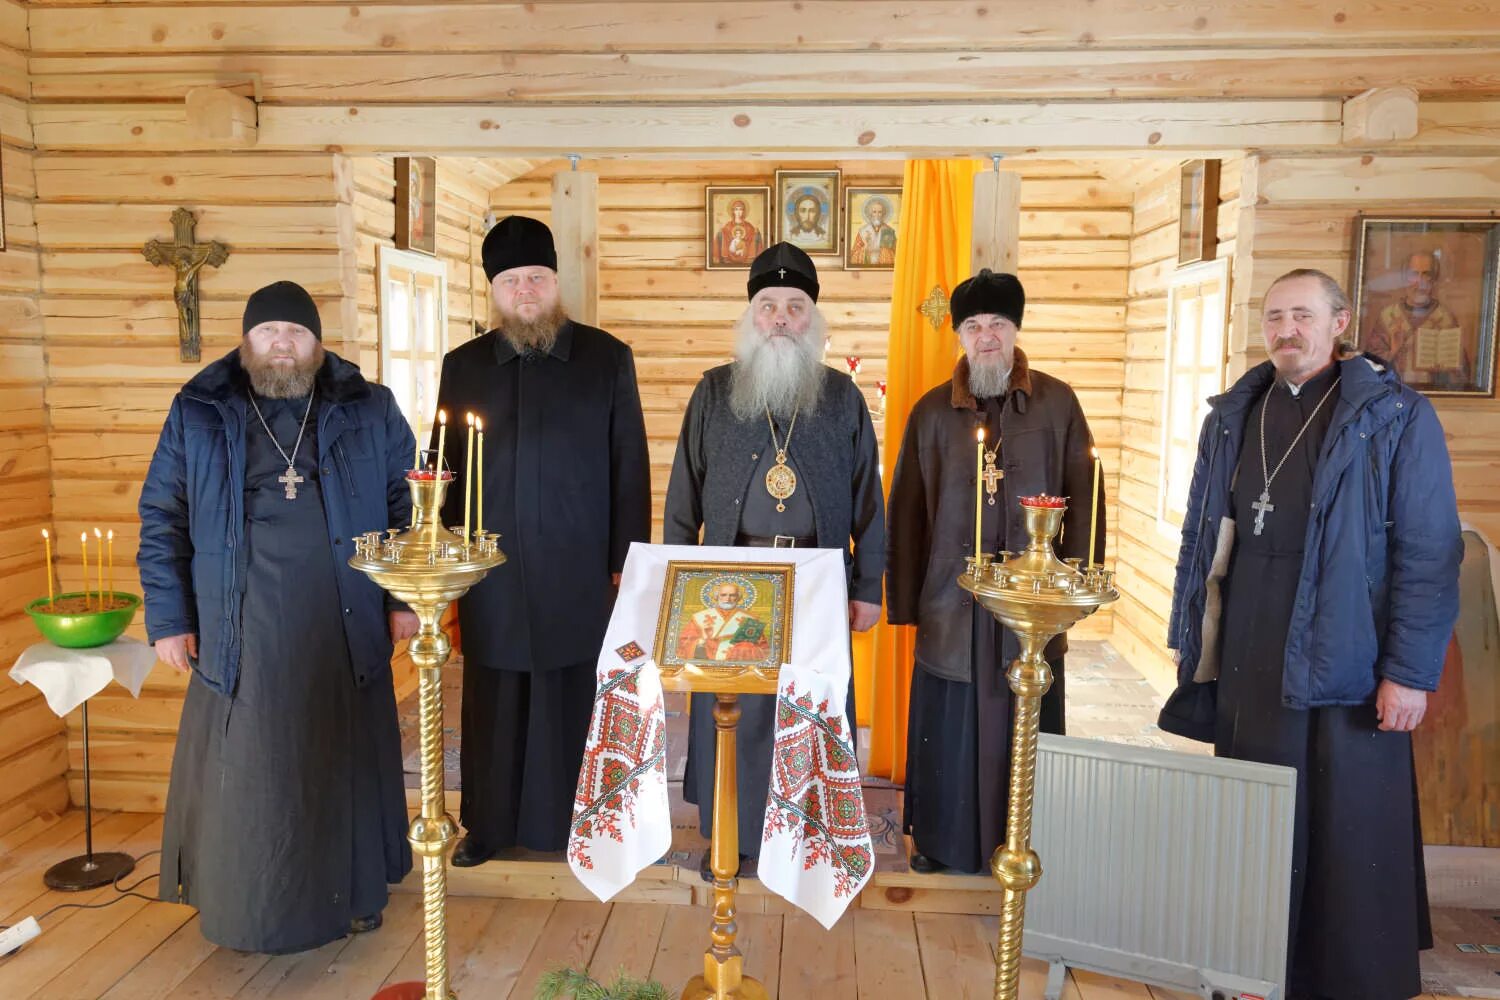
x: 1163, y: 867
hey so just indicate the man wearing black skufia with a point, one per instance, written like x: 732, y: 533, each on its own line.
x: 776, y: 450
x: 567, y: 484
x: 1036, y: 440
x: 286, y: 814
x: 1316, y: 591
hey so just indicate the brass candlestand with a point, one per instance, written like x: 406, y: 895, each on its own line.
x: 428, y: 567
x: 723, y: 964
x: 1036, y: 597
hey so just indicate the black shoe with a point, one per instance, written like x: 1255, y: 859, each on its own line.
x: 923, y: 865
x: 706, y: 867
x: 471, y: 851
x: 363, y: 925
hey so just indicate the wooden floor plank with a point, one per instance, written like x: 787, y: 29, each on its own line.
x: 568, y: 940
x: 499, y: 952
x: 292, y: 976
x: 761, y: 938
x: 684, y: 938
x: 45, y: 846
x: 162, y: 971
x: 101, y: 967
x: 957, y: 960
x: 361, y: 968
x: 26, y: 894
x: 1163, y: 993
x: 629, y: 941
x: 817, y: 964
x: 31, y: 970
x: 467, y: 919
x: 12, y: 840
x: 1093, y: 986
x: 887, y: 962
x: 220, y: 975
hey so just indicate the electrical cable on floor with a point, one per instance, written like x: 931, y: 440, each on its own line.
x: 122, y: 892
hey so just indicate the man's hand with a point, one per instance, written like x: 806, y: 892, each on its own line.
x: 863, y: 615
x: 1399, y: 708
x: 403, y: 625
x: 177, y: 651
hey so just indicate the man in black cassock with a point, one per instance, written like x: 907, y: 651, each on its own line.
x: 286, y: 814
x: 1316, y: 591
x: 777, y: 407
x: 1037, y: 441
x: 567, y: 484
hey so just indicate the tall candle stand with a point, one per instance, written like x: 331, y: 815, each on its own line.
x: 1036, y: 596
x: 428, y: 567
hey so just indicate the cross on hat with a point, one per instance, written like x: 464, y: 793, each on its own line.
x: 781, y: 273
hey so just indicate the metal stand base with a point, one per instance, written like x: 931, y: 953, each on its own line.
x: 748, y: 989
x: 405, y: 991
x: 83, y: 872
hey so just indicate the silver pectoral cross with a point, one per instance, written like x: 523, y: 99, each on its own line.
x: 1262, y: 507
x: 290, y: 479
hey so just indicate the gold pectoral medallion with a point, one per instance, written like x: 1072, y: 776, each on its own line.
x: 781, y: 481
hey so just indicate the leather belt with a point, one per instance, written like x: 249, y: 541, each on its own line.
x: 776, y: 541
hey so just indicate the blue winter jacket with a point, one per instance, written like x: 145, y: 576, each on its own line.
x: 192, y: 554
x: 1378, y: 593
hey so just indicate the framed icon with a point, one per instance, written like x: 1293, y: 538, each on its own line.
x: 808, y: 210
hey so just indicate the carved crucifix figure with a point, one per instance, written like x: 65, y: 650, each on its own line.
x: 186, y: 256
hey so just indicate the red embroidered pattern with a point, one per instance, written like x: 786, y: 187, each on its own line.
x: 815, y: 791
x: 626, y: 740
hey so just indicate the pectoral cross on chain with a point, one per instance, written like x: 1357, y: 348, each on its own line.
x: 186, y: 256
x: 992, y: 476
x: 290, y: 479
x: 1262, y: 507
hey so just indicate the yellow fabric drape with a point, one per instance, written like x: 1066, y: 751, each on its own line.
x: 937, y: 225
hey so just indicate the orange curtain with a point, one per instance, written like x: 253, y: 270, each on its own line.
x: 932, y: 255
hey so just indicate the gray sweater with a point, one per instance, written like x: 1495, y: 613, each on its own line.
x: 835, y: 453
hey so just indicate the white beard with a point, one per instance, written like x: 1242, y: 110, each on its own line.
x: 988, y: 380
x: 783, y: 375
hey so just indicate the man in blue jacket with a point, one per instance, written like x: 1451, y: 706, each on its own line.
x: 286, y: 814
x: 1316, y: 591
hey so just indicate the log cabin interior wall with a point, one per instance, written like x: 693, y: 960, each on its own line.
x: 33, y: 748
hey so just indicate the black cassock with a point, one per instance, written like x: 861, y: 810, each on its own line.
x: 286, y: 815
x: 958, y: 733
x: 567, y: 485
x: 1359, y: 895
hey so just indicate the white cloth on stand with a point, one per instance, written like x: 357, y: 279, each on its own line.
x: 69, y: 677
x: 818, y: 853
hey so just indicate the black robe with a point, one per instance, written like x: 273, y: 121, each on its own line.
x: 1359, y: 896
x: 567, y: 485
x: 958, y: 732
x: 286, y: 814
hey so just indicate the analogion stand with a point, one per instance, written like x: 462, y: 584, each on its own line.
x: 723, y: 964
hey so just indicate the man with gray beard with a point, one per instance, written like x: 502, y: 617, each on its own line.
x: 1037, y: 441
x: 567, y: 484
x: 776, y: 450
x: 286, y: 815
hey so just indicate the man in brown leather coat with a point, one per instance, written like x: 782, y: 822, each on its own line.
x: 958, y: 749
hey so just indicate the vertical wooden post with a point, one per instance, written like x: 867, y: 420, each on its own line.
x: 997, y: 221
x: 575, y: 227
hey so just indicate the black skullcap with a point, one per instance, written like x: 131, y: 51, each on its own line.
x: 282, y: 302
x: 518, y: 241
x: 783, y: 266
x: 988, y: 292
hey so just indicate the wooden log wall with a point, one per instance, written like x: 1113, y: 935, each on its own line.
x: 33, y: 749
x: 1148, y: 554
x: 657, y: 296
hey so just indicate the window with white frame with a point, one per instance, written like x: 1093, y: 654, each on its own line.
x: 413, y: 303
x: 1196, y: 350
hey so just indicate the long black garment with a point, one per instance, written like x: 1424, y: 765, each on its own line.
x: 958, y: 733
x: 1358, y: 896
x: 286, y: 815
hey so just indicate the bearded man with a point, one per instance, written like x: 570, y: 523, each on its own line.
x: 286, y: 814
x: 567, y: 484
x: 1036, y: 440
x: 776, y: 450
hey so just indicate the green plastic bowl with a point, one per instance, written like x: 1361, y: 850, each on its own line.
x: 83, y: 629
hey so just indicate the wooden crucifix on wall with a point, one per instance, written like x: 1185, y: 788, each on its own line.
x: 186, y: 256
